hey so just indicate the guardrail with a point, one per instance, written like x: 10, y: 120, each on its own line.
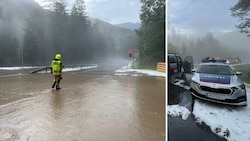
x: 161, y: 66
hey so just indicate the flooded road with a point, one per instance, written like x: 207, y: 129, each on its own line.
x: 88, y: 107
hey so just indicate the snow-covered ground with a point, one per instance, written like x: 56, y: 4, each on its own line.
x: 178, y: 111
x: 138, y: 72
x: 126, y: 70
x: 15, y: 68
x: 230, y: 123
x: 69, y: 69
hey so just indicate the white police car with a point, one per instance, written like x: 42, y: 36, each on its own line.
x: 217, y: 82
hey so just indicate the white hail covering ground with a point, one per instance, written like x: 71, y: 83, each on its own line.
x: 232, y: 124
x: 177, y: 110
x: 138, y: 72
x: 78, y: 68
x: 15, y: 68
x: 68, y: 69
x: 123, y: 71
x: 126, y: 70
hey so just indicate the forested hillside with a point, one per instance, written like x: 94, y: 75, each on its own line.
x: 31, y: 35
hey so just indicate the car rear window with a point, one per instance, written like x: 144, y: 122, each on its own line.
x: 215, y: 69
x: 172, y: 59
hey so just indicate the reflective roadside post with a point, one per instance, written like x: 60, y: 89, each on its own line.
x: 130, y: 54
x: 135, y: 56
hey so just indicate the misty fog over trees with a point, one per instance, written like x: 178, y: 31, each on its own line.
x: 232, y: 44
x: 32, y: 35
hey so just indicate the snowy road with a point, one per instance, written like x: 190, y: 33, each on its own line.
x: 227, y: 122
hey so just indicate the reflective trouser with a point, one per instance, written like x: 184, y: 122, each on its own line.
x: 57, y: 79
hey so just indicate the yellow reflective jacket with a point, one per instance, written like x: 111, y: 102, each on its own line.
x: 56, y: 66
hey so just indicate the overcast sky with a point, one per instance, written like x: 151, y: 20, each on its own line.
x: 112, y: 11
x: 201, y: 16
x: 115, y: 11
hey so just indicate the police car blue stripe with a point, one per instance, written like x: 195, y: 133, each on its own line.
x: 215, y: 78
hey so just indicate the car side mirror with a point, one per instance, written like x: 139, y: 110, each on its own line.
x: 238, y: 73
x: 194, y: 70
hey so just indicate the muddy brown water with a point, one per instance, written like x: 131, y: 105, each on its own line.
x: 87, y: 108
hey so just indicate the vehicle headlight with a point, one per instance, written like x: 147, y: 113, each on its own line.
x: 240, y: 87
x: 194, y: 82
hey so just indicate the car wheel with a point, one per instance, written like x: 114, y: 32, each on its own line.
x: 183, y: 74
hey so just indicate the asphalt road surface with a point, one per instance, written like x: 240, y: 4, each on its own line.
x: 89, y: 107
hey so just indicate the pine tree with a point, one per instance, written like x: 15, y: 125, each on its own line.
x: 78, y: 31
x: 152, y: 32
x: 79, y: 8
x: 79, y: 16
x: 59, y: 22
x: 241, y: 10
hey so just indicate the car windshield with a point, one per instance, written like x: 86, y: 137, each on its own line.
x: 215, y: 69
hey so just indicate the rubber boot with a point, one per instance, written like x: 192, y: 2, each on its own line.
x: 57, y: 87
x: 53, y: 85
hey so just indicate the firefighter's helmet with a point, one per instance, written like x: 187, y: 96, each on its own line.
x: 58, y: 56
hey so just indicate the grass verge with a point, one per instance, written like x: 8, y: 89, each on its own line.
x: 245, y: 70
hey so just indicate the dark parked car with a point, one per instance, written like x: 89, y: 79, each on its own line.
x: 177, y: 68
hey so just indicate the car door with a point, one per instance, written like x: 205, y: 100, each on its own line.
x: 179, y: 64
x: 172, y: 65
x: 188, y: 64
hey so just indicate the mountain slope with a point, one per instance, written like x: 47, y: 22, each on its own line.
x: 129, y: 25
x: 118, y: 34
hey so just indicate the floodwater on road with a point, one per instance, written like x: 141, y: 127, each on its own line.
x: 87, y: 108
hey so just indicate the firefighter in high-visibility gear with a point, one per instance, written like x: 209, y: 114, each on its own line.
x: 56, y: 69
